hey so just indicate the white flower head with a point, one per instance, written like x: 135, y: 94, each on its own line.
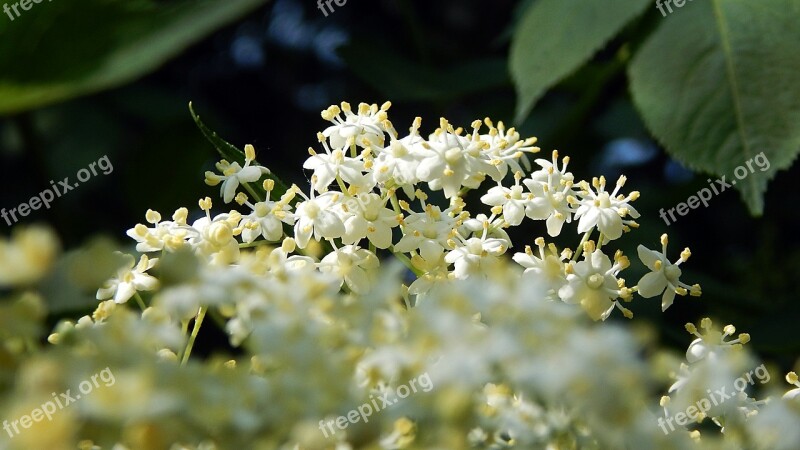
x: 335, y: 164
x: 267, y: 217
x: 606, y: 211
x: 353, y: 266
x: 428, y: 231
x: 316, y: 218
x: 505, y: 149
x: 476, y: 255
x: 164, y: 235
x: 593, y: 284
x: 513, y: 200
x: 553, y: 194
x: 215, y: 238
x: 130, y: 279
x: 364, y: 128
x: 233, y: 174
x: 545, y: 266
x: 664, y: 276
x: 451, y: 161
x: 712, y: 341
x: 366, y: 216
x: 397, y: 163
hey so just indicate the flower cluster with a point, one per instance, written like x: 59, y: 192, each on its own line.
x: 374, y: 192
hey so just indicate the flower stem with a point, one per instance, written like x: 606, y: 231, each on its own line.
x: 579, y: 250
x: 198, y: 322
x: 252, y: 192
x: 140, y: 301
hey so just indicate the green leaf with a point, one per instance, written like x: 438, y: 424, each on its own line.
x: 556, y: 37
x: 388, y: 73
x: 717, y: 84
x: 61, y: 50
x: 231, y: 153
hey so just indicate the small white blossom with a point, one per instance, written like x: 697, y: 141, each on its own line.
x: 712, y: 341
x: 130, y: 279
x: 664, y: 276
x: 552, y: 191
x: 334, y: 164
x: 593, y: 284
x: 547, y: 267
x: 364, y: 129
x: 233, y: 174
x: 513, y: 200
x: 605, y: 210
x: 368, y: 217
x: 352, y: 265
x: 315, y: 217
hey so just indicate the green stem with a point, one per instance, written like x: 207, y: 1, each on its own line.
x: 407, y: 262
x: 252, y: 192
x: 140, y: 301
x: 198, y: 322
x: 256, y: 244
x: 579, y: 250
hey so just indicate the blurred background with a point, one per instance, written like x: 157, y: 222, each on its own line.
x: 260, y: 72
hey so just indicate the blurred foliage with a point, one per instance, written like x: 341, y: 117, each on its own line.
x: 264, y: 78
x: 127, y: 39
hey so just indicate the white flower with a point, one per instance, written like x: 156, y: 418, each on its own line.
x: 475, y: 225
x: 547, y: 268
x: 506, y: 150
x: 712, y: 341
x: 552, y: 191
x: 164, y: 235
x: 399, y: 161
x: 476, y: 255
x: 334, y: 164
x: 267, y: 218
x: 513, y: 200
x: 363, y: 129
x: 233, y: 174
x: 664, y: 276
x: 315, y: 217
x: 434, y: 274
x: 605, y: 210
x: 450, y: 161
x: 593, y: 283
x: 129, y: 280
x: 214, y: 238
x: 368, y: 216
x: 352, y: 265
x: 427, y: 231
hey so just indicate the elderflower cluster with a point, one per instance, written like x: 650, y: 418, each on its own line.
x: 375, y: 193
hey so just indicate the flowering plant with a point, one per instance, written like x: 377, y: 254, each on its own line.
x: 381, y: 270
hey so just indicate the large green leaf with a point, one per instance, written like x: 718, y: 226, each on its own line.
x: 718, y: 84
x: 555, y: 37
x: 60, y: 50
